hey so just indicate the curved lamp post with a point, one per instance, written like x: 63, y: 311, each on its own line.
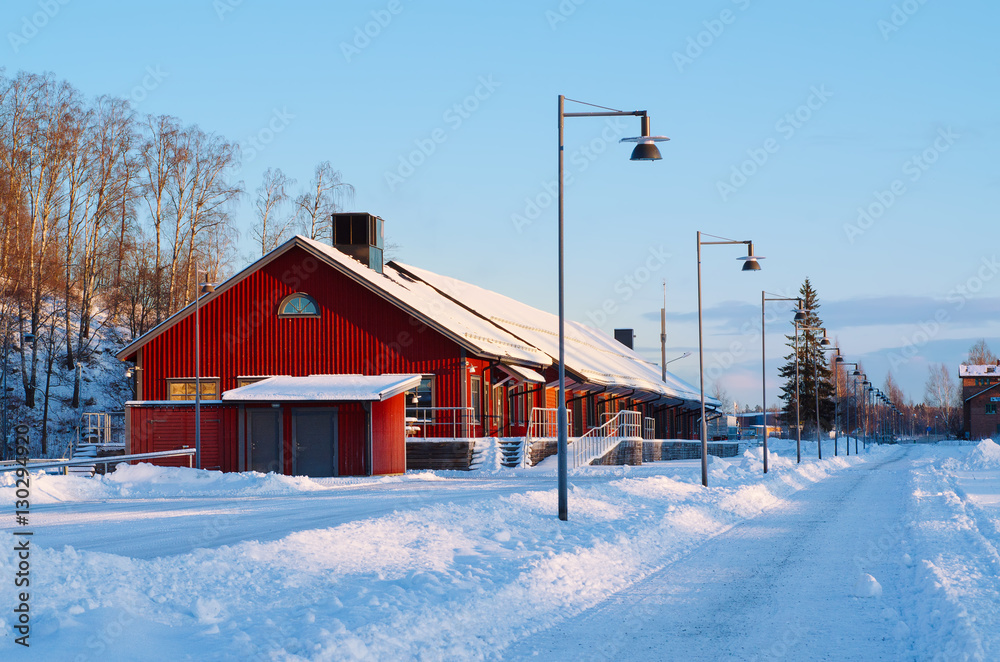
x: 645, y: 150
x: 800, y: 316
x: 824, y: 344
x: 750, y: 263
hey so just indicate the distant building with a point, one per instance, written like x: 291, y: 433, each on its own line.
x: 980, y: 399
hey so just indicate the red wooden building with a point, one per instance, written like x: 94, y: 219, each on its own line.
x: 313, y: 356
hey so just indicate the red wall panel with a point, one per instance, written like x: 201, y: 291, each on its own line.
x: 389, y: 436
x: 358, y: 332
x: 168, y: 428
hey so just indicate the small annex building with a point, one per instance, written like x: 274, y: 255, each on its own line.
x: 980, y: 400
x: 320, y: 359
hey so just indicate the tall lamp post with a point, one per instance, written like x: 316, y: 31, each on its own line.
x: 202, y: 288
x: 847, y: 425
x: 750, y: 263
x: 800, y: 316
x: 645, y: 150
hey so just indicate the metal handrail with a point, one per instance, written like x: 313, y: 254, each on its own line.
x: 461, y: 420
x: 596, y: 442
x: 649, y: 428
x: 114, y: 459
x: 544, y: 426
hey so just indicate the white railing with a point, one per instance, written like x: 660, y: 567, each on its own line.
x: 543, y: 423
x: 35, y: 465
x: 453, y: 422
x: 598, y: 441
x: 649, y: 428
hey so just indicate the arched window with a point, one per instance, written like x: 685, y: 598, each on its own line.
x: 298, y: 305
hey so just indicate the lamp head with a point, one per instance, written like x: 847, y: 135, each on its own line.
x: 750, y: 262
x: 825, y: 342
x: 645, y: 152
x: 800, y: 315
x: 856, y: 373
x: 645, y: 149
x: 838, y: 359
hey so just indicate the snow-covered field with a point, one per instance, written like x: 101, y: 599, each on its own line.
x: 172, y: 564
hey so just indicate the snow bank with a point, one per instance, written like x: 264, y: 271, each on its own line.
x: 985, y: 456
x: 152, y: 482
x: 453, y: 580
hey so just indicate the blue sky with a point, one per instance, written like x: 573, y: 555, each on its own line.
x: 786, y: 119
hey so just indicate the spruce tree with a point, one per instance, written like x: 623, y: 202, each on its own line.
x: 813, y: 366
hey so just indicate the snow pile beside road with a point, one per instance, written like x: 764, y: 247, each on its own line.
x: 985, y: 456
x: 152, y: 482
x: 457, y: 580
x: 954, y: 537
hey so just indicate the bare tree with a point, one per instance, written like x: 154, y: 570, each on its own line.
x: 159, y: 154
x: 980, y: 354
x: 327, y: 194
x: 719, y: 393
x: 942, y: 392
x: 271, y: 227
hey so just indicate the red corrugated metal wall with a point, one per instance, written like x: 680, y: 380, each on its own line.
x: 167, y: 428
x: 358, y: 332
x: 352, y: 430
x: 389, y: 435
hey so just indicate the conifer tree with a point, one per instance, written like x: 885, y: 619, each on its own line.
x: 813, y: 367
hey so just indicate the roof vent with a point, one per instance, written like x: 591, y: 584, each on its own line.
x: 361, y: 236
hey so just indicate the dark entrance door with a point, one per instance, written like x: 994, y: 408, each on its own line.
x: 314, y: 436
x: 264, y: 427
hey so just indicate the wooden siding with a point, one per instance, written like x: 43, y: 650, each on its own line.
x: 357, y: 333
x: 389, y: 436
x: 167, y: 428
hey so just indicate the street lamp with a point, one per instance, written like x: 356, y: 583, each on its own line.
x: 750, y: 263
x: 847, y: 426
x: 645, y: 150
x: 800, y: 316
x: 203, y: 288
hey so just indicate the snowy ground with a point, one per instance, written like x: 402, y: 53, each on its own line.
x: 888, y: 555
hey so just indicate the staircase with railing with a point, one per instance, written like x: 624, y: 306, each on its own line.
x: 100, y: 434
x: 596, y: 443
x: 540, y: 440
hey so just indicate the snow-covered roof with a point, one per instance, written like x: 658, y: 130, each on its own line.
x: 592, y: 355
x: 988, y: 370
x: 324, y: 388
x: 523, y: 374
x: 486, y: 338
x: 465, y: 327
